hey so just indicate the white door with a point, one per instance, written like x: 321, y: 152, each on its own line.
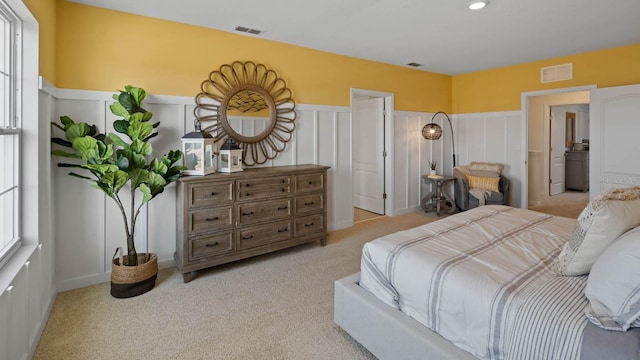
x: 368, y: 160
x: 614, y: 147
x: 556, y: 152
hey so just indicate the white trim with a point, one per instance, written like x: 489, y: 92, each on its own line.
x: 524, y: 111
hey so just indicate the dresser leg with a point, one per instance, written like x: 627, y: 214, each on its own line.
x: 323, y: 241
x: 187, y: 277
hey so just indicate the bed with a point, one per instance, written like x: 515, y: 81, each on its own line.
x: 479, y: 284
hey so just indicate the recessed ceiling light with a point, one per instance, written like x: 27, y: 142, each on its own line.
x: 477, y: 5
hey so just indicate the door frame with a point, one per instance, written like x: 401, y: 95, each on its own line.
x: 389, y: 182
x: 524, y: 113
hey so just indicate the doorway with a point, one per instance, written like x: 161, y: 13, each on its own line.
x: 371, y: 144
x: 539, y: 121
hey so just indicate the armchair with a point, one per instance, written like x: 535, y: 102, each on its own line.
x: 466, y: 199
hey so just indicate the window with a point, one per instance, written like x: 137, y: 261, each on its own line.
x: 10, y: 134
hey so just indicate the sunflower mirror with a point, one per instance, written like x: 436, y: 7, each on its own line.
x: 249, y: 104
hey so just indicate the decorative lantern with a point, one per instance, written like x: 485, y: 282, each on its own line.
x: 230, y: 157
x: 197, y: 147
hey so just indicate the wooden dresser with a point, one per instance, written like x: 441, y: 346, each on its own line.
x: 228, y: 217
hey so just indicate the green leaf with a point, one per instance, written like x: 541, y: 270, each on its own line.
x: 112, y: 182
x: 123, y: 163
x: 146, y: 116
x: 121, y: 126
x: 58, y: 126
x: 138, y: 95
x: 146, y: 193
x: 150, y: 136
x: 66, y: 121
x: 102, y: 168
x: 138, y: 176
x: 140, y: 130
x: 141, y: 147
x: 75, y: 131
x: 136, y: 117
x: 80, y: 176
x: 156, y: 183
x: 66, y: 154
x: 118, y: 141
x: 126, y: 100
x: 87, y: 147
x: 119, y: 110
x: 158, y: 167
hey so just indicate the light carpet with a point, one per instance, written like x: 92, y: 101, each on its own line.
x: 275, y: 306
x: 568, y: 204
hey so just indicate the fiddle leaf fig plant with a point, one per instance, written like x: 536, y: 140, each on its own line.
x: 114, y: 160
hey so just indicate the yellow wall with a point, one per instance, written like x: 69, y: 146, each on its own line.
x: 101, y: 49
x: 45, y: 13
x: 500, y: 89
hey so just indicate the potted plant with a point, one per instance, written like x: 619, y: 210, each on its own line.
x: 432, y: 166
x: 114, y: 164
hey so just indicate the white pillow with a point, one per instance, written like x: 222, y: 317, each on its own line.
x: 604, y: 219
x: 613, y: 286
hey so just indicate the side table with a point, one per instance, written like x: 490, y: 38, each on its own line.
x: 437, y: 195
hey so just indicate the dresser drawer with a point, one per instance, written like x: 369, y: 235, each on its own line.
x: 251, y: 213
x: 261, y: 192
x: 271, y: 182
x: 200, y: 195
x: 309, y: 182
x: 210, y: 219
x: 308, y: 225
x: 210, y: 245
x: 261, y: 235
x: 308, y: 203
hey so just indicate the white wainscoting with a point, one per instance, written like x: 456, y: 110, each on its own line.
x: 493, y: 137
x: 89, y: 226
x: 27, y: 288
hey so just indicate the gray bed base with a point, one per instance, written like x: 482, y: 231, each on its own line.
x: 386, y: 332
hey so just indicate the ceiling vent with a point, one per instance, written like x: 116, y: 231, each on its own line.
x: 556, y: 73
x: 414, y: 64
x: 248, y: 30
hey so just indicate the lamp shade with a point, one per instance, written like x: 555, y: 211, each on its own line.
x: 432, y: 131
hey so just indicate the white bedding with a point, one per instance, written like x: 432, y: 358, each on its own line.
x: 467, y: 275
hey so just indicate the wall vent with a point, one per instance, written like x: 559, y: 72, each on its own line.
x: 248, y: 30
x: 413, y: 64
x: 556, y: 73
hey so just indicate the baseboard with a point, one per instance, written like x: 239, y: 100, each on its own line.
x: 407, y: 210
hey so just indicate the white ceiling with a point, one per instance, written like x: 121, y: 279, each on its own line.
x: 442, y: 35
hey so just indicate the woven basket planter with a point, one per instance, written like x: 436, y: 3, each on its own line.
x: 128, y: 281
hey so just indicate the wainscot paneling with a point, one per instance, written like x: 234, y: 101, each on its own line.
x: 492, y: 137
x: 89, y: 225
x: 27, y: 288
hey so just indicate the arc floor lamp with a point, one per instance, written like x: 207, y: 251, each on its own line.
x: 433, y: 131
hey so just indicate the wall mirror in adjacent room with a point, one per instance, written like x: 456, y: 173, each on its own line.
x: 250, y: 104
x: 570, y: 129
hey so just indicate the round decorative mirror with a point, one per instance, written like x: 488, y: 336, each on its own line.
x: 249, y: 104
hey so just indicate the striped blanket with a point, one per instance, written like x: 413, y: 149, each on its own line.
x: 482, y: 280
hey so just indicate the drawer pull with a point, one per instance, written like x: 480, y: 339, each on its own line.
x: 284, y: 181
x: 283, y: 230
x: 247, y: 237
x: 283, y: 208
x: 310, y: 182
x: 247, y: 214
x: 212, y: 245
x: 283, y: 190
x: 247, y: 185
x: 309, y: 203
x: 307, y: 225
x: 211, y: 219
x: 246, y: 194
x: 213, y: 193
